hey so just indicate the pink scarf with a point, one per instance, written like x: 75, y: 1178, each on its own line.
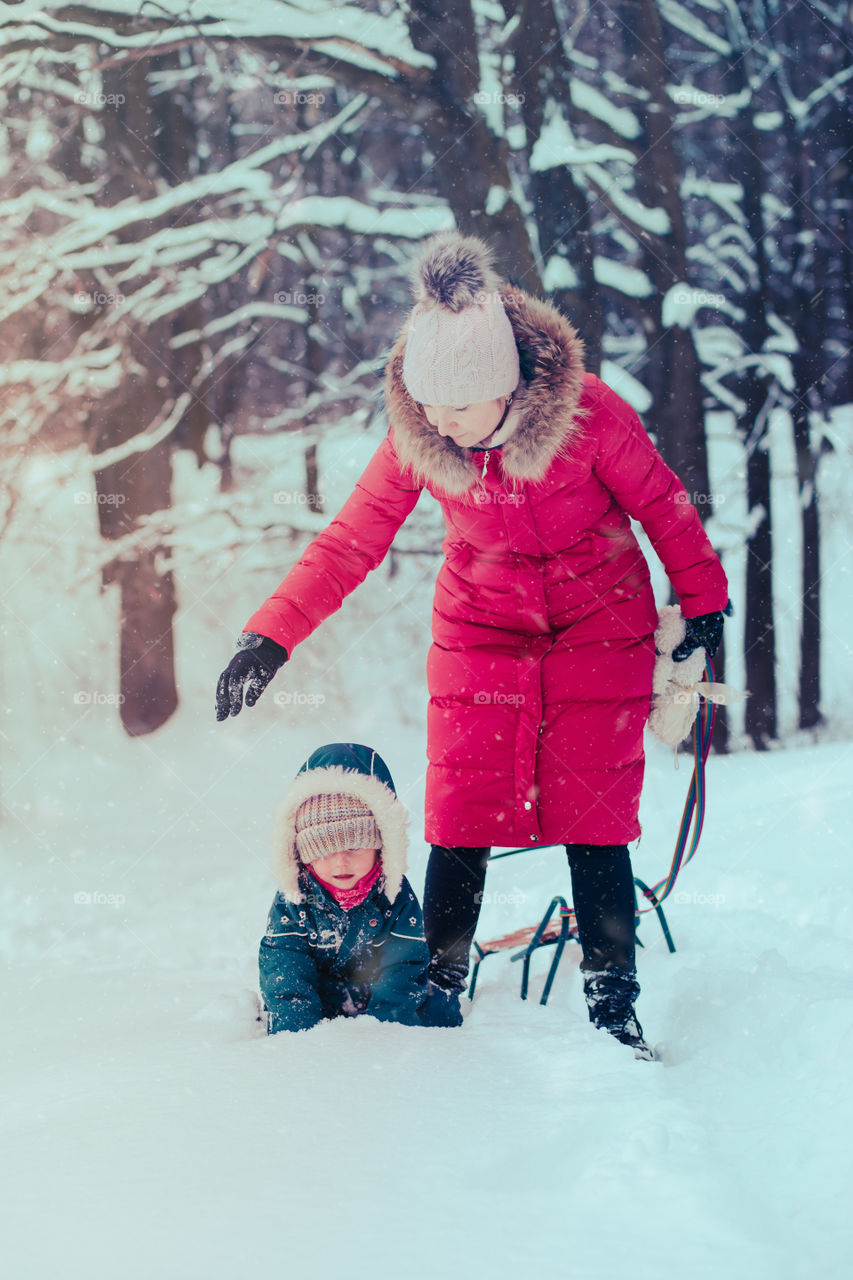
x: 349, y: 898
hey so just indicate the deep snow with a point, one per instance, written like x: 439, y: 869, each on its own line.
x: 147, y: 1130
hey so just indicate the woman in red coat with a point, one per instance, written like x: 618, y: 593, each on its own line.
x: 540, y: 670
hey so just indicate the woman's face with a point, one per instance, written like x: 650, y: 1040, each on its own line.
x: 467, y: 425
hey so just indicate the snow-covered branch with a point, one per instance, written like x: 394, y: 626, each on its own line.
x: 370, y: 41
x: 144, y: 441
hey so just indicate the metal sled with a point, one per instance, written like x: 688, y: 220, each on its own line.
x: 551, y: 931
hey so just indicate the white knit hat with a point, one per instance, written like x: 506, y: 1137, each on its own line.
x: 330, y: 822
x: 460, y: 347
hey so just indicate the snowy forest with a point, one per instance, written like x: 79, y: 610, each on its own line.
x: 208, y: 215
x: 207, y: 219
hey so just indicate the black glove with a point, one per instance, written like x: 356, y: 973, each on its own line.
x: 704, y: 632
x: 252, y: 667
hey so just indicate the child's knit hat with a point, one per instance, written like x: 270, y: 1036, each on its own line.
x: 460, y: 346
x: 342, y: 798
x: 329, y: 822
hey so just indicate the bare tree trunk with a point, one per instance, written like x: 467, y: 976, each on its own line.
x: 720, y: 738
x: 807, y: 380
x: 759, y: 636
x: 141, y: 484
x: 560, y: 208
x: 757, y: 391
x: 127, y: 490
x: 807, y: 288
x: 844, y: 381
x: 672, y: 374
x: 315, y: 363
x: 810, y: 642
x: 468, y: 159
x: 808, y: 322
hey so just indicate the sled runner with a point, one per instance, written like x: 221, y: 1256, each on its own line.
x: 551, y: 931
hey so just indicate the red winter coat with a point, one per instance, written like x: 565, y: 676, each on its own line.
x: 540, y: 669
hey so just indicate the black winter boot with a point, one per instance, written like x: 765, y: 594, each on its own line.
x: 610, y: 996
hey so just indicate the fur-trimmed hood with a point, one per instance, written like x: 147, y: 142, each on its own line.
x: 544, y: 418
x: 347, y: 768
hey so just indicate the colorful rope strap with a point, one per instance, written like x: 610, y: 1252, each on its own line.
x: 694, y: 806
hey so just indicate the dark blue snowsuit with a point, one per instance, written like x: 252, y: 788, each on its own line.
x: 318, y: 960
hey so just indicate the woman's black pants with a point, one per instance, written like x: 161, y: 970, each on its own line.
x: 602, y: 895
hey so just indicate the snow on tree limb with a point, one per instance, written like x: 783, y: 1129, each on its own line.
x: 354, y: 215
x: 681, y: 18
x: 251, y: 311
x: 144, y: 441
x: 89, y: 239
x: 245, y: 174
x: 557, y: 145
x: 620, y: 119
x: 728, y: 195
x: 624, y: 205
x: 630, y: 281
x: 371, y: 41
x: 800, y: 108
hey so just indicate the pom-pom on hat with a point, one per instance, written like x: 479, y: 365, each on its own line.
x: 460, y: 347
x: 330, y: 822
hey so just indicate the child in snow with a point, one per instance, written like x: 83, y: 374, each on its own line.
x: 345, y: 933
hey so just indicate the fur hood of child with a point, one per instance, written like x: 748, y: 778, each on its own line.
x: 320, y: 958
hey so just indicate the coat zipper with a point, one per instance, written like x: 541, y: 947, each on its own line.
x: 485, y: 464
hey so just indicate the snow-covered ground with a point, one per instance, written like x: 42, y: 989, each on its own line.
x: 148, y: 1131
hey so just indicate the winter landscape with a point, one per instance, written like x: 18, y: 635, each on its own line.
x: 251, y: 206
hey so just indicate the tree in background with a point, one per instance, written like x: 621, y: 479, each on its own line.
x: 208, y: 225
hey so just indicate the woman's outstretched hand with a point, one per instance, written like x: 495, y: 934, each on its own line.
x: 250, y: 670
x: 704, y: 632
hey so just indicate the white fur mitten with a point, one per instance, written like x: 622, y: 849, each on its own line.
x: 678, y: 686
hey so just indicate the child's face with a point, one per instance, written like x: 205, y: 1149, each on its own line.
x: 344, y: 869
